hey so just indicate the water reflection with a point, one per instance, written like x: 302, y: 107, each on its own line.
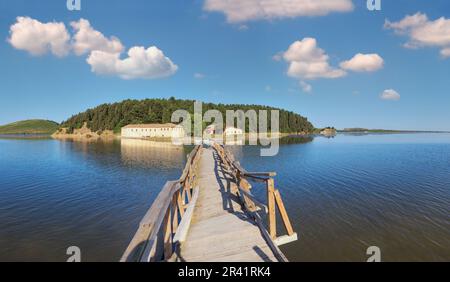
x: 296, y: 139
x: 342, y: 195
x: 151, y: 154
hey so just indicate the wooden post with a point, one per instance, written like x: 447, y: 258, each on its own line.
x: 181, y: 202
x: 284, y: 215
x: 167, y: 235
x: 188, y: 192
x: 175, y: 212
x: 245, y: 185
x: 271, y: 207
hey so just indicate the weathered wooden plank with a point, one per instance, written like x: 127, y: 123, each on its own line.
x: 271, y: 206
x: 285, y: 239
x: 167, y: 228
x: 284, y: 216
x: 254, y: 200
x: 183, y: 227
x: 214, y: 225
x: 175, y: 210
x: 277, y: 252
x: 267, y: 174
x: 218, y: 232
x: 262, y: 254
x: 151, y: 223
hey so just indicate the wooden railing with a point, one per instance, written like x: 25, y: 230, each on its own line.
x: 166, y: 223
x: 274, y: 200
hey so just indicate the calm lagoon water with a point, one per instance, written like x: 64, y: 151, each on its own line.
x: 342, y: 195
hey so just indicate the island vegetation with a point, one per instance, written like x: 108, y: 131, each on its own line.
x: 30, y: 127
x: 113, y: 117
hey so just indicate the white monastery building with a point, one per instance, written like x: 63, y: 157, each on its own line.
x: 211, y: 130
x: 233, y: 131
x: 167, y: 130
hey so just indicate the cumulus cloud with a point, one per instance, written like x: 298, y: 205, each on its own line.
x: 87, y: 39
x: 39, y: 38
x: 423, y: 32
x: 241, y: 11
x: 390, y: 94
x: 104, y: 53
x: 407, y: 22
x: 363, y: 63
x: 307, y: 61
x: 141, y: 63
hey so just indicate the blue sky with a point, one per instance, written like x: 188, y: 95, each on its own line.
x: 236, y: 61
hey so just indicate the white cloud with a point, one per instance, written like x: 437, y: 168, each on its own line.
x: 407, y: 23
x: 87, y: 39
x: 363, y: 63
x: 243, y: 27
x: 423, y: 32
x: 39, y: 38
x: 307, y: 88
x: 248, y: 10
x: 445, y: 52
x: 141, y: 63
x: 278, y: 57
x: 198, y: 75
x: 390, y: 94
x: 307, y: 61
x: 104, y: 54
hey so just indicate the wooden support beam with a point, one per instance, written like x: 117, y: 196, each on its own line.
x: 175, y: 211
x: 180, y: 202
x: 284, y: 215
x: 187, y: 189
x: 271, y: 206
x: 256, y: 204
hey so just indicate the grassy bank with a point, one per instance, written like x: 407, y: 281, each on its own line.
x: 29, y: 127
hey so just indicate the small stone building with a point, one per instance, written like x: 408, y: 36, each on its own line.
x: 167, y: 130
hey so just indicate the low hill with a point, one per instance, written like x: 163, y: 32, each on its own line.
x: 32, y: 126
x: 115, y: 116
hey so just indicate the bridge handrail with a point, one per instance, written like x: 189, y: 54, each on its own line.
x: 243, y: 178
x: 154, y: 239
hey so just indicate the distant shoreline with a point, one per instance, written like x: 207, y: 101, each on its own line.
x: 385, y: 131
x: 25, y: 136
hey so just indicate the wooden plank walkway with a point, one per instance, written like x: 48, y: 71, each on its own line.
x: 210, y: 214
x: 220, y: 229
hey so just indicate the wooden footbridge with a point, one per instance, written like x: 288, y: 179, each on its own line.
x: 210, y: 214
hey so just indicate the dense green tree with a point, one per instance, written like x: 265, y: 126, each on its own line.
x: 116, y: 115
